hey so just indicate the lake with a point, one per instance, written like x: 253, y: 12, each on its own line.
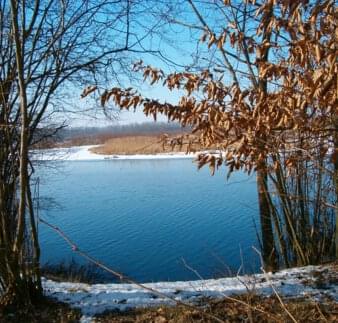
x: 154, y: 220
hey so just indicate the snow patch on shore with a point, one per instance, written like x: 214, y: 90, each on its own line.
x: 97, y: 298
x: 83, y: 153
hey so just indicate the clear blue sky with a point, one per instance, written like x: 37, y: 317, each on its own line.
x: 175, y: 42
x: 178, y: 43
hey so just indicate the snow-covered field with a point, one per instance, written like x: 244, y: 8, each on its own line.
x: 84, y: 153
x: 93, y: 299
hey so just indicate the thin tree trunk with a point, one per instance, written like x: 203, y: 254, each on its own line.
x: 335, y: 161
x: 269, y: 252
x: 23, y: 177
x: 268, y: 249
x: 24, y: 283
x: 35, y: 245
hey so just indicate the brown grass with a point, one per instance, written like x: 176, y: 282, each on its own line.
x: 245, y: 308
x: 131, y: 145
x: 46, y: 310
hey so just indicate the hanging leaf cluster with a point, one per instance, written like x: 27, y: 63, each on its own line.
x: 247, y: 123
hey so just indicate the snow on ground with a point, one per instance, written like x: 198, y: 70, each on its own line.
x: 84, y: 153
x: 97, y: 298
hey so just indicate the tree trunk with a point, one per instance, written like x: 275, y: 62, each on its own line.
x: 268, y: 249
x: 269, y: 252
x: 23, y: 283
x: 335, y: 161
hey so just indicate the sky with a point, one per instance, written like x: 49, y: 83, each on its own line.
x: 91, y: 113
x: 173, y: 41
x: 177, y: 42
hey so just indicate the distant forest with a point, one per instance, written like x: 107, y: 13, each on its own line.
x: 97, y: 135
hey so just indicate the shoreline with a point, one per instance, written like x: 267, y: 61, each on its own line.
x: 93, y: 299
x: 83, y: 153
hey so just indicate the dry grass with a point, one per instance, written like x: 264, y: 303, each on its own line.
x: 245, y: 308
x: 47, y: 310
x: 131, y: 145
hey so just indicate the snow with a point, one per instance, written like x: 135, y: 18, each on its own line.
x: 78, y: 153
x: 97, y: 298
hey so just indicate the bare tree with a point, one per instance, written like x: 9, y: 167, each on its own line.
x: 48, y: 47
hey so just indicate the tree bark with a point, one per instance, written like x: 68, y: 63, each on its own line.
x: 25, y: 282
x: 335, y: 161
x: 269, y: 252
x: 268, y: 248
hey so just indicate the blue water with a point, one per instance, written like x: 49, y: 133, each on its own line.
x: 150, y: 219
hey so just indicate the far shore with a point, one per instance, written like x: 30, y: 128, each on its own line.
x: 124, y: 147
x: 87, y: 153
x: 136, y: 145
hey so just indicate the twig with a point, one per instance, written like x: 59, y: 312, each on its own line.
x: 273, y: 288
x: 192, y: 269
x: 250, y: 306
x: 319, y: 310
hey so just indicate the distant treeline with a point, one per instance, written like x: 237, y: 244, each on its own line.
x: 97, y: 135
x: 121, y: 130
